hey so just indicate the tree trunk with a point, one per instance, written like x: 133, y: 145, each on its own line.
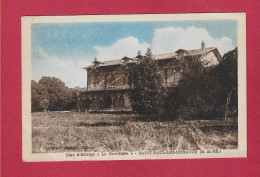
x: 227, y: 103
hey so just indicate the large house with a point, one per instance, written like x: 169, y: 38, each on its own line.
x: 109, y: 83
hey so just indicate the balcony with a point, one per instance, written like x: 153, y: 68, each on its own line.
x: 109, y: 87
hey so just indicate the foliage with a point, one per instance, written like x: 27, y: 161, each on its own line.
x: 50, y: 93
x: 196, y: 94
x: 205, y: 93
x: 148, y: 94
x: 40, y: 99
x: 226, y: 71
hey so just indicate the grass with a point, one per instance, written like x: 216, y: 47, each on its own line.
x: 73, y: 131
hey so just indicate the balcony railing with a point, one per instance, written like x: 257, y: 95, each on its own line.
x: 109, y: 87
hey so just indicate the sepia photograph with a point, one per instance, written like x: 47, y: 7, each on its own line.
x: 129, y: 87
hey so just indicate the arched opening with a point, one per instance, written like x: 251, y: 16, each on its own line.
x: 95, y: 105
x: 107, y: 101
x: 119, y: 102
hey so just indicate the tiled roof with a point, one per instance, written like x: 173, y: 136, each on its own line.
x: 112, y: 62
x: 200, y: 51
x: 190, y: 53
x: 165, y: 56
x: 156, y: 57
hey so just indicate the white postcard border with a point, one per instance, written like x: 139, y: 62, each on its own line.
x: 27, y: 154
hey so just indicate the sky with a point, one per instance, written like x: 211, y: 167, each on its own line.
x: 62, y: 49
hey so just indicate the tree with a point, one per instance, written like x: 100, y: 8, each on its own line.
x: 195, y: 95
x: 50, y: 93
x: 148, y: 93
x: 40, y: 97
x: 226, y: 71
x: 205, y: 92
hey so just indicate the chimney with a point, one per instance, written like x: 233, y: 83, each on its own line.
x: 96, y: 62
x: 203, y: 46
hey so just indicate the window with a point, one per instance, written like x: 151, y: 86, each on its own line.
x: 96, y: 80
x: 162, y: 74
x: 177, y: 76
x: 112, y: 80
x: 91, y: 82
x: 170, y: 76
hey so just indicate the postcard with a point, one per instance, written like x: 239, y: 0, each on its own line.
x: 131, y: 87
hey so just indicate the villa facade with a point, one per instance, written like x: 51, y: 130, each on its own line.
x: 110, y: 83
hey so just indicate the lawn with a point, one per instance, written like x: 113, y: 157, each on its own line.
x: 74, y: 131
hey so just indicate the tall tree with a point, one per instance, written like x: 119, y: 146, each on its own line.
x: 226, y: 71
x: 147, y: 97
